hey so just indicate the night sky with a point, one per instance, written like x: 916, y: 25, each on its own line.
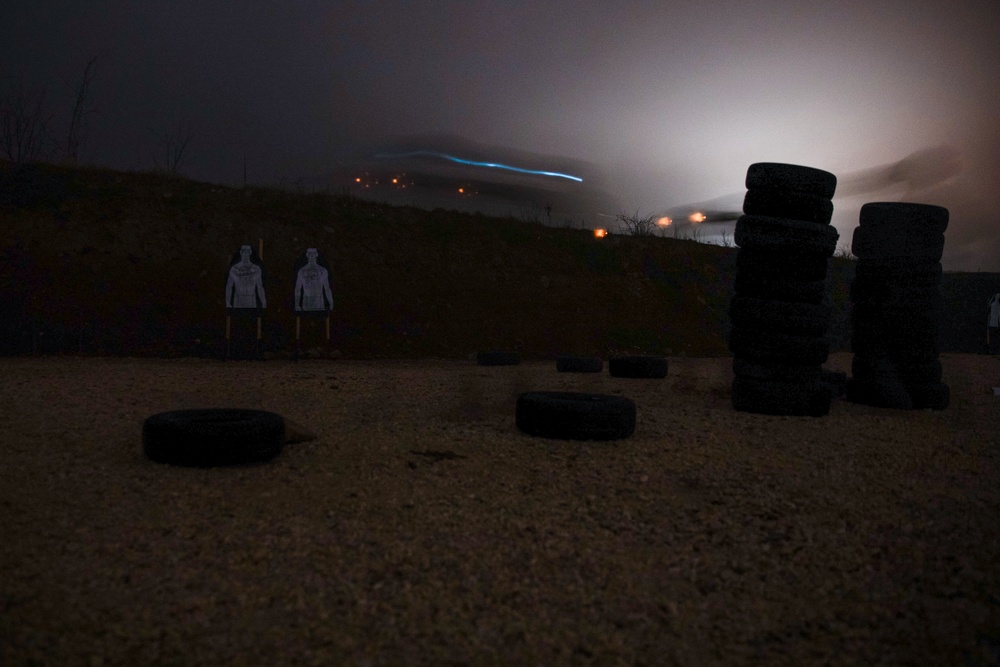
x: 669, y: 104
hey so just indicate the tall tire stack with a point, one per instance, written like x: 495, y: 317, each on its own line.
x: 780, y: 313
x: 896, y: 306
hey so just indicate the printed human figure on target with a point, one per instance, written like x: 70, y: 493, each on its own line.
x: 245, y: 287
x: 313, y: 297
x: 312, y: 284
x: 245, y: 297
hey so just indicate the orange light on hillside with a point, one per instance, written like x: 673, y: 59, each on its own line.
x: 600, y: 233
x: 664, y: 222
x: 357, y: 180
x: 697, y: 217
x: 395, y: 180
x: 461, y: 190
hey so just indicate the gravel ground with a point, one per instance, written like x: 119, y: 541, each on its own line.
x: 421, y: 528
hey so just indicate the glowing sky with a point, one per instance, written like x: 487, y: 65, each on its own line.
x: 671, y: 101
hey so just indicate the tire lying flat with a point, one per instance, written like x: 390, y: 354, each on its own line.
x: 874, y: 368
x: 497, y: 358
x: 575, y: 415
x: 868, y: 245
x: 920, y: 292
x: 881, y: 394
x: 782, y: 176
x: 748, y: 368
x: 571, y: 364
x: 769, y: 347
x: 780, y: 316
x: 765, y: 233
x: 788, y: 204
x: 834, y: 381
x: 899, y: 271
x: 638, y: 367
x: 777, y: 289
x: 794, y: 265
x: 903, y: 216
x: 213, y: 436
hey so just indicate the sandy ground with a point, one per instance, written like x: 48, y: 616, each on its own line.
x: 421, y: 528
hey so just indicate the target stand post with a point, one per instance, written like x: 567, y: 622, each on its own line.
x: 298, y: 336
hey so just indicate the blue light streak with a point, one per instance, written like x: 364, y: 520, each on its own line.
x: 492, y: 165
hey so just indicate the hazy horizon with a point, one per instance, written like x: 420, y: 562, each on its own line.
x: 664, y: 105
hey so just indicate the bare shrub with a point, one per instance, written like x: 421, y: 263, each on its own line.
x: 81, y: 109
x: 634, y: 224
x: 844, y: 252
x: 24, y: 134
x: 171, y: 147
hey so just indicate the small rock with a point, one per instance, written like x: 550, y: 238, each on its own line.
x: 296, y: 432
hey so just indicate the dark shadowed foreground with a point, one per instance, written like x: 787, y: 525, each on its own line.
x: 422, y: 528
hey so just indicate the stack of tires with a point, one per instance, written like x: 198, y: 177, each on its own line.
x: 896, y: 306
x: 780, y: 313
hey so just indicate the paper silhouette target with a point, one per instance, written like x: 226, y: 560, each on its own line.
x: 312, y: 284
x: 245, y: 287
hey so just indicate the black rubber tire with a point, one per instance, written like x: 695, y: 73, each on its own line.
x: 783, y: 316
x: 908, y: 323
x: 575, y: 416
x: 498, y: 358
x: 930, y: 396
x: 770, y: 347
x: 834, y: 381
x: 755, y: 370
x: 886, y: 234
x: 904, y: 217
x: 782, y: 265
x: 882, y: 394
x: 638, y: 367
x: 805, y: 399
x: 781, y: 176
x: 571, y: 364
x: 213, y: 436
x: 864, y: 288
x: 899, y: 271
x: 902, y: 308
x: 874, y: 368
x: 901, y: 333
x: 902, y: 350
x: 926, y: 312
x: 776, y: 289
x: 788, y: 204
x: 865, y: 245
x: 761, y: 232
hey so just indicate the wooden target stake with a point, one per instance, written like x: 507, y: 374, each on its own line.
x: 260, y: 254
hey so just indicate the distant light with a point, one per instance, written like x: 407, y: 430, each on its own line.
x: 600, y: 233
x: 462, y: 190
x: 697, y: 217
x: 357, y: 180
x: 395, y: 180
x: 664, y: 222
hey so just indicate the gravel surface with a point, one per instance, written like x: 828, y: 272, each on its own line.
x: 421, y: 528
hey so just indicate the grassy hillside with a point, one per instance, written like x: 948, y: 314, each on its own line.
x: 104, y: 262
